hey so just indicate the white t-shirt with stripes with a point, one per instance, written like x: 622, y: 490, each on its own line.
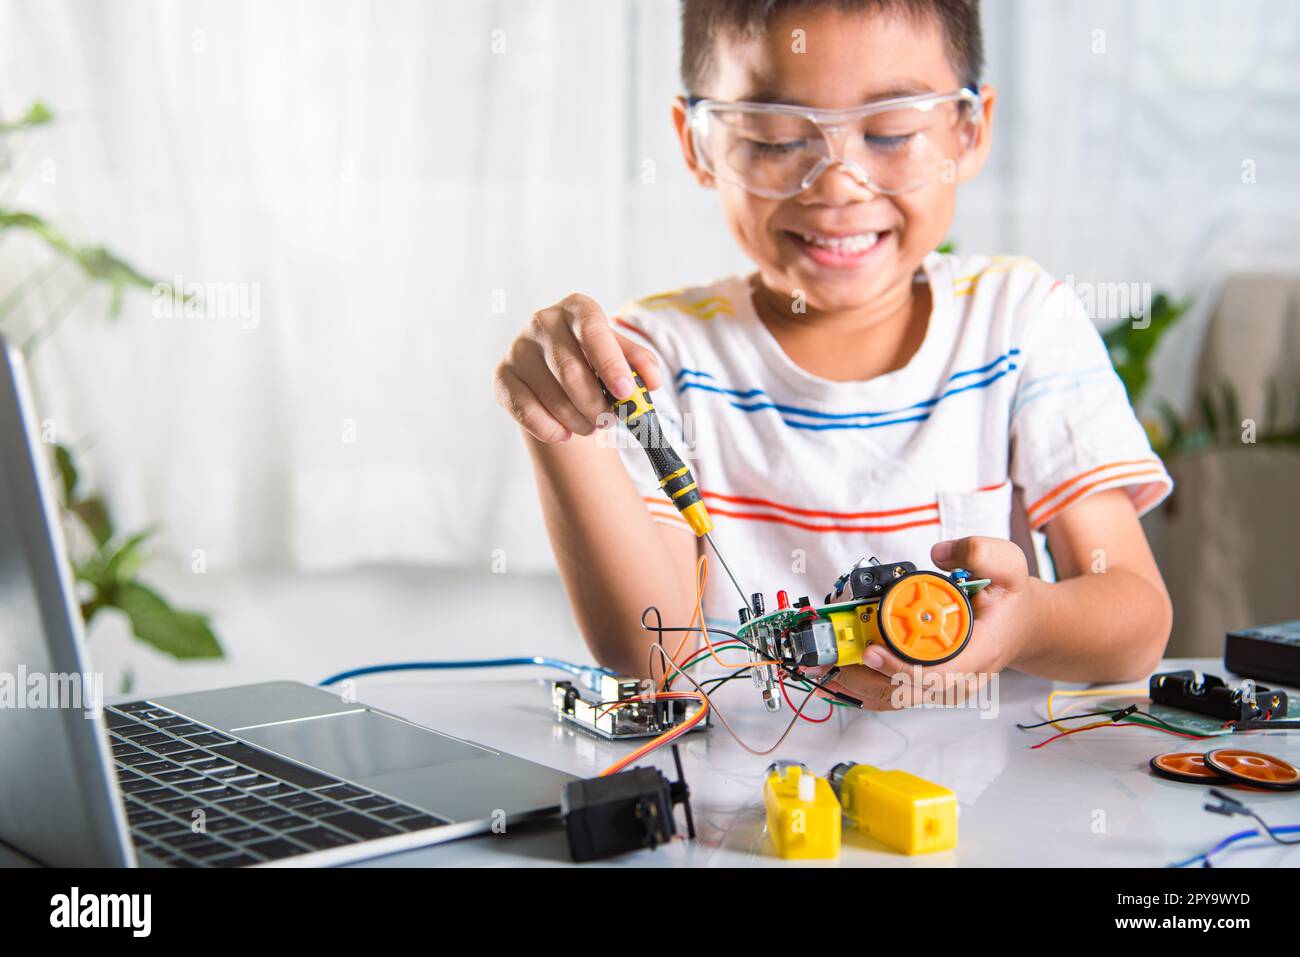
x: 1008, y: 413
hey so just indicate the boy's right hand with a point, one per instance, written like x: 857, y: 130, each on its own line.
x: 546, y: 381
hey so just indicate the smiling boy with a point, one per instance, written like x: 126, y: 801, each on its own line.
x: 860, y: 393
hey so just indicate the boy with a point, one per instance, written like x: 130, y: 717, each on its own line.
x: 859, y: 394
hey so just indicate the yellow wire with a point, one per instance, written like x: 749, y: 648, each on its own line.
x: 1090, y: 692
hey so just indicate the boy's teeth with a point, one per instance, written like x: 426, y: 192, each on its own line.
x: 849, y: 244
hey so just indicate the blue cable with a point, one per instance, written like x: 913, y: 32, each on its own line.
x: 1239, y: 836
x: 582, y: 671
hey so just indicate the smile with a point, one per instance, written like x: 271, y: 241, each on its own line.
x: 842, y: 251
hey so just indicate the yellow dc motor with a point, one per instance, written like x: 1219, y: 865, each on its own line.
x: 900, y: 810
x: 803, y: 816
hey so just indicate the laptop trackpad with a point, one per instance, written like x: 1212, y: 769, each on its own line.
x: 360, y: 743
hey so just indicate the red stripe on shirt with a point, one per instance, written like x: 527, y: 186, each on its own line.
x: 812, y: 513
x: 1055, y: 510
x: 1083, y: 475
x: 781, y: 520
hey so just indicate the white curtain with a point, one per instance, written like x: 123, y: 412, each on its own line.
x: 395, y: 185
x: 398, y: 185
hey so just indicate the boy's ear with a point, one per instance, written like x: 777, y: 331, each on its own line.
x: 974, y: 158
x: 687, y: 143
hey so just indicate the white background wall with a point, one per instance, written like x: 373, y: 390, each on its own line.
x: 403, y: 183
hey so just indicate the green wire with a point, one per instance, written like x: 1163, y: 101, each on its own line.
x: 802, y: 685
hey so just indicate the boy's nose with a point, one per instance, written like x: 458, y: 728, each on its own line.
x: 843, y: 181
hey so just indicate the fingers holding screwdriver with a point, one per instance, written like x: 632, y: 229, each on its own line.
x: 552, y: 376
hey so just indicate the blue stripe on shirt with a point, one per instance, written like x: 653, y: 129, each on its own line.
x: 835, y: 420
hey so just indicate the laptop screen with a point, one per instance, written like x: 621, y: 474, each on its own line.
x: 57, y: 800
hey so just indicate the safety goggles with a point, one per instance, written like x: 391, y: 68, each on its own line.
x: 889, y: 146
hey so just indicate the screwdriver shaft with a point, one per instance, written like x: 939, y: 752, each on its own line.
x: 744, y: 601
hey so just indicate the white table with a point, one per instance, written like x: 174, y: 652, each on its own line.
x: 1085, y: 800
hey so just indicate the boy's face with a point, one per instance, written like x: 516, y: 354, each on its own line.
x: 849, y: 60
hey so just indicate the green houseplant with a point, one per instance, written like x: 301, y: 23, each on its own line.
x: 1216, y: 420
x: 106, y: 561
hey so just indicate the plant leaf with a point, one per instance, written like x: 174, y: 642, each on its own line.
x: 1173, y: 428
x: 1131, y: 346
x: 181, y: 634
x: 1231, y: 408
x: 67, y: 469
x: 95, y: 261
x: 93, y: 513
x: 1209, y: 414
x: 38, y: 114
x: 125, y: 561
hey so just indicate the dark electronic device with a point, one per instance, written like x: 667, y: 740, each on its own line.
x: 1210, y: 695
x: 623, y: 812
x: 1267, y: 653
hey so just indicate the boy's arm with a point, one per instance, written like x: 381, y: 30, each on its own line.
x: 1108, y: 618
x: 614, y: 558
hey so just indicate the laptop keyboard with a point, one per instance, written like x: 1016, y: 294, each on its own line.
x: 254, y: 806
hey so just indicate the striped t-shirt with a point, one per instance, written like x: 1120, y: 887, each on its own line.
x: 1008, y: 414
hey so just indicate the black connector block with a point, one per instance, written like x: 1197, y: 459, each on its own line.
x: 623, y: 812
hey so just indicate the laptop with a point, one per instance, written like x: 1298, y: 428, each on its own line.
x: 279, y: 773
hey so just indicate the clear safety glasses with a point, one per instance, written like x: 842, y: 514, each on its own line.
x: 890, y: 146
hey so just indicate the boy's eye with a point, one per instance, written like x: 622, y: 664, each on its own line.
x: 767, y: 148
x: 888, y: 144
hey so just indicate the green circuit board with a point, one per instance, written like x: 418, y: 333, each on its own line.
x: 782, y: 619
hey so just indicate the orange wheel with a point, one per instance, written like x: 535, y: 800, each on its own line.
x: 1254, y: 768
x: 925, y: 618
x: 1186, y: 766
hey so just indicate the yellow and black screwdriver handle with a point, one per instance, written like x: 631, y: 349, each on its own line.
x: 638, y: 412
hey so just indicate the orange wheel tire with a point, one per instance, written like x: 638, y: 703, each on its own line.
x: 925, y: 618
x: 1186, y: 766
x: 1254, y: 768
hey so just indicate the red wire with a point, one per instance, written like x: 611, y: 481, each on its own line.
x: 785, y: 694
x: 1118, y: 724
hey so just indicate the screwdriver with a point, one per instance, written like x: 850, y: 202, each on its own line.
x: 638, y: 413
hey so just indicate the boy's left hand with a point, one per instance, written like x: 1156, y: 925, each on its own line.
x: 1002, y: 622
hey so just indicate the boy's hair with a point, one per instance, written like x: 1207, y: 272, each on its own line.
x: 703, y: 21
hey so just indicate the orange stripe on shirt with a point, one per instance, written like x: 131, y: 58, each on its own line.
x: 781, y: 520
x: 1055, y: 510
x: 811, y: 513
x: 1083, y: 475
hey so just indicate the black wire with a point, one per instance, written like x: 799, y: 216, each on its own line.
x: 658, y: 628
x: 792, y: 670
x: 800, y: 675
x: 1268, y: 830
x: 1230, y: 805
x: 1131, y: 709
x: 1076, y: 717
x: 719, y: 682
x: 1067, y: 717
